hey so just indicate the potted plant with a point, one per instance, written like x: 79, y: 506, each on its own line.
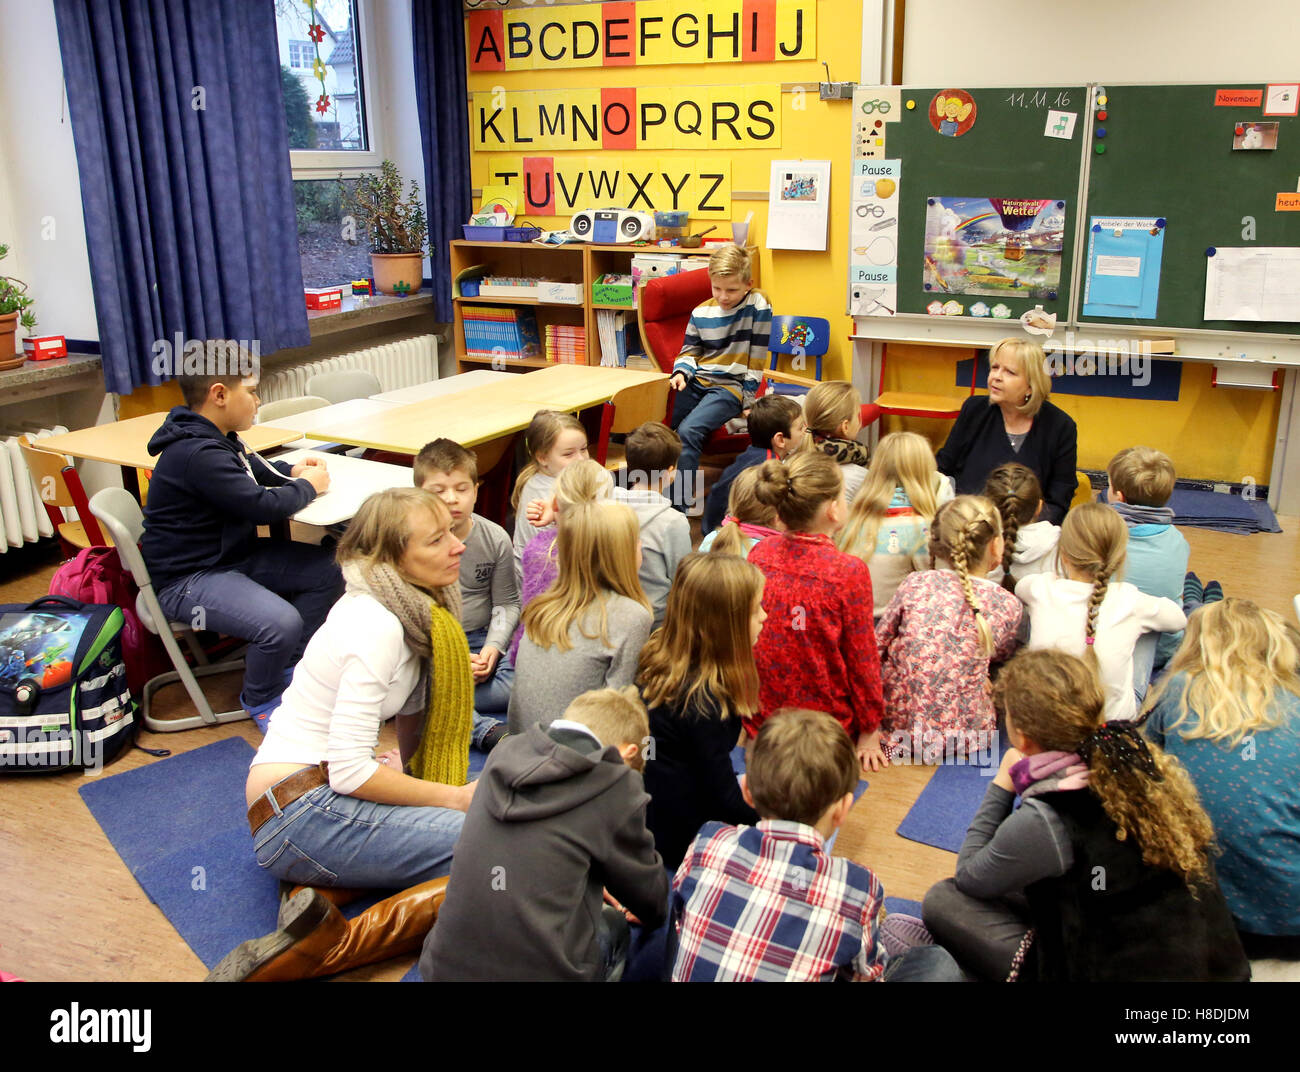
x: 398, y: 229
x: 15, y: 310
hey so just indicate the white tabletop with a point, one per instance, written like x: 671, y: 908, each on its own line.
x: 352, y: 481
x: 351, y: 410
x: 446, y: 386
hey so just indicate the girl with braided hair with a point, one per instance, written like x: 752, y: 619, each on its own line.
x: 1103, y: 874
x: 1030, y: 543
x: 940, y: 632
x: 1090, y: 612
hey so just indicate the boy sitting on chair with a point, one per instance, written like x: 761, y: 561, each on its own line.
x: 207, y: 496
x: 724, y: 355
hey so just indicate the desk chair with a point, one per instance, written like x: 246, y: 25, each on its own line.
x: 800, y: 336
x: 913, y: 403
x: 59, y: 486
x: 287, y: 407
x: 628, y: 409
x: 124, y: 520
x: 344, y: 385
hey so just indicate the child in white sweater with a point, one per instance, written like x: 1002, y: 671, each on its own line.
x: 1087, y: 613
x: 1030, y: 543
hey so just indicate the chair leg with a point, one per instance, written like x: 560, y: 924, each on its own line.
x: 206, y: 716
x: 196, y: 649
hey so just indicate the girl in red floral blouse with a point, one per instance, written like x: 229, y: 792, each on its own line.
x: 939, y: 634
x: 818, y: 649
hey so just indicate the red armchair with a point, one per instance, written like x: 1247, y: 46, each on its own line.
x: 663, y: 310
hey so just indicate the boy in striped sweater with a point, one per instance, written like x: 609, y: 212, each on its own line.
x: 724, y: 355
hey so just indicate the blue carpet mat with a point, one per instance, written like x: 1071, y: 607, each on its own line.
x: 181, y: 828
x: 903, y: 906
x: 1223, y: 513
x: 943, y: 811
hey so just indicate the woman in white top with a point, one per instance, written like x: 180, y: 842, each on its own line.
x: 323, y: 810
x: 1090, y: 614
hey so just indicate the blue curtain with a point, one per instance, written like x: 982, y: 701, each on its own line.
x: 183, y: 154
x: 438, y: 32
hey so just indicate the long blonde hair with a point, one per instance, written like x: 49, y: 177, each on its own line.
x: 703, y: 651
x: 902, y: 459
x: 1056, y: 700
x: 960, y: 535
x: 597, y: 550
x: 543, y: 430
x: 743, y: 505
x: 381, y: 530
x: 829, y: 405
x: 1094, y: 540
x: 1238, y: 659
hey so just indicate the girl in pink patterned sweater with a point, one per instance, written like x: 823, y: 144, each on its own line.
x: 938, y: 635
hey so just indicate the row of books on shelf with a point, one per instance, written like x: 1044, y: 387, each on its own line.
x: 507, y: 333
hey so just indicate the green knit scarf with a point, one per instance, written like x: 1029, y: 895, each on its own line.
x: 432, y: 630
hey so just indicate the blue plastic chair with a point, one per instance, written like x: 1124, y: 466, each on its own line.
x: 799, y: 336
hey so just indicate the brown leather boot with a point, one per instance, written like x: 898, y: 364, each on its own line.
x: 336, y: 895
x: 315, y: 939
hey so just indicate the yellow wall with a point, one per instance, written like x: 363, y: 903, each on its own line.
x: 1211, y: 433
x: 806, y: 283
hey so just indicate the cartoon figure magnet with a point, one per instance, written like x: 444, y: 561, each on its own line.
x: 952, y: 112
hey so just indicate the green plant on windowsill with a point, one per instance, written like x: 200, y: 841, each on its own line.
x: 15, y: 309
x: 393, y: 224
x: 14, y: 298
x: 397, y: 228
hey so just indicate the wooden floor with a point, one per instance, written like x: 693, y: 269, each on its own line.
x: 73, y: 911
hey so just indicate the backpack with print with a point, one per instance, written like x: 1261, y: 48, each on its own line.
x: 64, y: 700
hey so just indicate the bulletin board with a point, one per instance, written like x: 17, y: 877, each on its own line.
x: 1169, y: 155
x: 1000, y: 154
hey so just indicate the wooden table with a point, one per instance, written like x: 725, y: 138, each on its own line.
x: 447, y: 386
x: 573, y: 387
x: 308, y: 421
x: 352, y: 481
x: 126, y: 443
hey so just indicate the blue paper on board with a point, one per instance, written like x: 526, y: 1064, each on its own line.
x: 1122, y: 278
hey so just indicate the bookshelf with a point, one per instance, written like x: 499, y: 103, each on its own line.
x: 579, y: 263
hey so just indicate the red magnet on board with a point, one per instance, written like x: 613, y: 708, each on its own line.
x: 1101, y: 116
x: 1239, y: 130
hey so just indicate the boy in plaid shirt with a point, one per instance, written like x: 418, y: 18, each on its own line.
x: 769, y: 903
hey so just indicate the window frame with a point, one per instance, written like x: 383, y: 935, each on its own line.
x: 352, y: 163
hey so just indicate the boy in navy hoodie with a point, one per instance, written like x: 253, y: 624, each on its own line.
x: 207, y: 496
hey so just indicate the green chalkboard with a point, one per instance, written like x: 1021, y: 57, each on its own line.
x: 1003, y: 155
x: 1168, y: 153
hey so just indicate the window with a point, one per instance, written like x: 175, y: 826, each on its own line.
x: 323, y: 75
x: 321, y: 50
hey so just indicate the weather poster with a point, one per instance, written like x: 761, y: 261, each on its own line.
x: 997, y: 246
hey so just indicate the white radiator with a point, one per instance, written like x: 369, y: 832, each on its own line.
x: 396, y: 364
x: 22, y: 514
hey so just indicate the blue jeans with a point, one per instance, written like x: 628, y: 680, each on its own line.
x: 325, y: 839
x: 275, y: 599
x: 492, y: 697
x: 697, y: 411
x: 614, y: 936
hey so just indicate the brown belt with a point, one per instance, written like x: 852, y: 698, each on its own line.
x: 285, y: 793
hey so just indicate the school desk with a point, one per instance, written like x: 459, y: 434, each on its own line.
x: 448, y: 385
x: 126, y: 443
x: 308, y: 421
x: 352, y: 481
x: 574, y: 387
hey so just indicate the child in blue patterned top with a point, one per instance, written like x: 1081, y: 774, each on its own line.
x: 1229, y: 709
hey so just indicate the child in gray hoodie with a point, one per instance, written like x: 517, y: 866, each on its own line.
x: 556, y: 826
x: 653, y: 451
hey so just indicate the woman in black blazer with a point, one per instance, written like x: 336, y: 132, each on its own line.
x: 1015, y: 423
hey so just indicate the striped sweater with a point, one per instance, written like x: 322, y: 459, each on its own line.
x: 728, y: 348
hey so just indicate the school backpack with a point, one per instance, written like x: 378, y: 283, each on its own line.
x: 64, y: 700
x: 95, y: 575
